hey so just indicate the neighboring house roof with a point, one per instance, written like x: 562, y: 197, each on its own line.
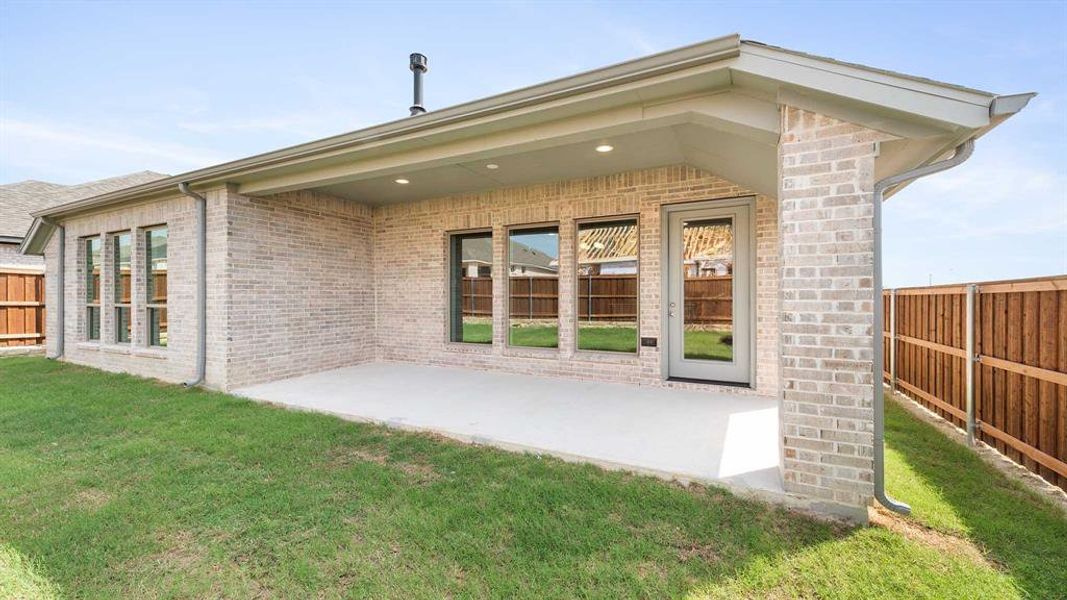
x: 480, y: 250
x: 712, y: 105
x: 19, y: 200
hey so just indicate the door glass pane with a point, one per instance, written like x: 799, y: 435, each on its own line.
x: 533, y: 278
x: 471, y: 308
x: 607, y: 286
x: 707, y: 269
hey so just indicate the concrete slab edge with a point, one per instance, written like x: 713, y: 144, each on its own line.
x: 812, y: 507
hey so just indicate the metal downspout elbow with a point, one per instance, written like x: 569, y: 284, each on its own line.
x: 963, y: 152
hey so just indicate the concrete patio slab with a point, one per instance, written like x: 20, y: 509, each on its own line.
x: 678, y: 434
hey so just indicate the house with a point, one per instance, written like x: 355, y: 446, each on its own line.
x: 19, y: 200
x: 613, y: 251
x: 349, y: 249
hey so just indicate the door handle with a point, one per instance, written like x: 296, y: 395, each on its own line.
x: 670, y: 309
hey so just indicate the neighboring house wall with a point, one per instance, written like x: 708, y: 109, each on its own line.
x: 301, y: 297
x: 410, y: 273
x: 10, y: 257
x: 826, y: 181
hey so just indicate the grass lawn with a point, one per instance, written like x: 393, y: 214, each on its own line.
x: 112, y: 486
x: 698, y: 344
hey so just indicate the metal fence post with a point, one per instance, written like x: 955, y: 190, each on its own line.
x: 893, y: 340
x: 969, y: 363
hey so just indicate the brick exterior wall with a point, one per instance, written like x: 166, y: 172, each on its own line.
x: 410, y: 258
x: 10, y: 257
x: 176, y: 362
x: 300, y: 291
x: 826, y: 180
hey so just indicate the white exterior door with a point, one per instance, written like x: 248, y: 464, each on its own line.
x: 709, y: 296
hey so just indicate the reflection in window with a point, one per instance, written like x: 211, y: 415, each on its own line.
x: 93, y: 264
x: 533, y: 280
x: 123, y: 285
x: 471, y: 288
x: 156, y: 285
x: 607, y: 286
x: 708, y: 266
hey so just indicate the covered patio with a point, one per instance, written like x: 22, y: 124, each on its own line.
x: 697, y: 436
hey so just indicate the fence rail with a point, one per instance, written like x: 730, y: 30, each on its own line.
x: 708, y: 300
x: 22, y: 311
x: 990, y: 357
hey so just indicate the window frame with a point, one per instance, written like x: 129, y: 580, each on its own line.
x: 450, y: 237
x: 531, y: 227
x: 117, y: 306
x: 636, y: 218
x: 93, y: 301
x: 149, y: 305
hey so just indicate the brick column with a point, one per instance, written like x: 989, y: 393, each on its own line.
x: 826, y: 176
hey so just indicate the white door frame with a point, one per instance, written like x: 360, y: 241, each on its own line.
x: 665, y: 280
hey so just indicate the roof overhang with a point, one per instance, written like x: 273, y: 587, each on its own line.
x: 713, y: 105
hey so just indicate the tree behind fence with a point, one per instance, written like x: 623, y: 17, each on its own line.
x: 1020, y: 381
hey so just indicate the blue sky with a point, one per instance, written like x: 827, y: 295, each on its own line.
x: 98, y: 89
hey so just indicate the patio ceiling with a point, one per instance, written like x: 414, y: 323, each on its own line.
x: 748, y: 161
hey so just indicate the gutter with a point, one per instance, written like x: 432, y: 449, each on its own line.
x: 201, y: 284
x: 669, y: 61
x: 963, y: 152
x: 61, y: 286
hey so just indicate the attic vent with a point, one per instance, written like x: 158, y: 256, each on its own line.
x: 419, y: 65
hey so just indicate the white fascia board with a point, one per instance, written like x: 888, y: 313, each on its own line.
x: 37, y: 237
x: 950, y: 105
x: 688, y: 57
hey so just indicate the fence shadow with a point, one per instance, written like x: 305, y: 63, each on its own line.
x: 955, y: 491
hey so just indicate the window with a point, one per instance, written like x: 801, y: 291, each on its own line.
x: 470, y: 314
x: 121, y: 275
x: 93, y: 265
x: 607, y: 286
x: 533, y: 281
x: 156, y: 285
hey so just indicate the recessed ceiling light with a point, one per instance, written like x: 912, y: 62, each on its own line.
x: 605, y: 148
x: 402, y: 181
x: 492, y: 166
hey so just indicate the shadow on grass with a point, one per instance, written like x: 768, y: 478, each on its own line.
x: 952, y: 490
x: 119, y: 486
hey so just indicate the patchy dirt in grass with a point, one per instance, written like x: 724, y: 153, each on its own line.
x: 419, y: 473
x: 942, y: 542
x: 90, y: 499
x: 674, y: 538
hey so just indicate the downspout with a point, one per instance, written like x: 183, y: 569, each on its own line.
x: 61, y: 271
x: 201, y: 283
x: 963, y: 152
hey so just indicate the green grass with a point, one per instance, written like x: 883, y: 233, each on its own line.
x: 698, y: 344
x: 708, y: 345
x: 114, y: 486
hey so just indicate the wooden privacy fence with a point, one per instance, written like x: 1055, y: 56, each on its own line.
x: 21, y: 308
x: 991, y: 358
x: 600, y: 298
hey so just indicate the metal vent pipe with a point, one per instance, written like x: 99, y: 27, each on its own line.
x: 419, y: 64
